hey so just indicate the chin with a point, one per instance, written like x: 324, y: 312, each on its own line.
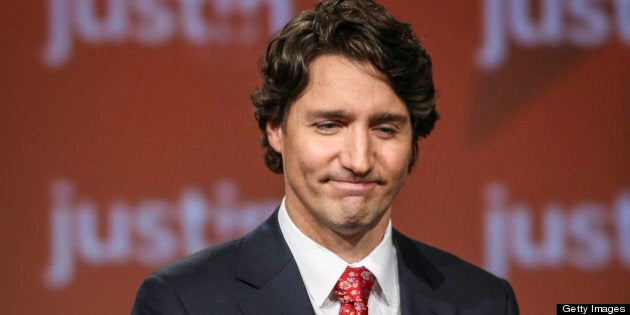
x: 357, y: 222
x: 350, y: 228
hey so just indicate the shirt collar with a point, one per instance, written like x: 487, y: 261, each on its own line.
x: 320, y: 268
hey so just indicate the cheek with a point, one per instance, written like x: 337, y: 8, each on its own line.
x: 397, y: 156
x: 311, y: 155
x: 316, y: 155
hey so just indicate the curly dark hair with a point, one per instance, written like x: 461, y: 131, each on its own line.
x: 361, y: 30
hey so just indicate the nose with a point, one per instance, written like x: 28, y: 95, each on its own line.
x: 357, y: 154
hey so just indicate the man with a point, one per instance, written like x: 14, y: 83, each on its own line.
x: 347, y: 90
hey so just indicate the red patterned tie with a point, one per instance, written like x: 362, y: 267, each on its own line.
x: 353, y: 290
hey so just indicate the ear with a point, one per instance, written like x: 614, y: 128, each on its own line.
x: 274, y: 135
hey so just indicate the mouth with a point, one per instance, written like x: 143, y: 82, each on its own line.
x: 354, y: 187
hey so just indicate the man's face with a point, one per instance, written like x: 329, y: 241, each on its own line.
x: 346, y: 148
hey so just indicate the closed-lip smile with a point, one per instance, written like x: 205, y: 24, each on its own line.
x: 354, y: 186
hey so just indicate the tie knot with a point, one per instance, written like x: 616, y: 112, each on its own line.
x: 353, y: 288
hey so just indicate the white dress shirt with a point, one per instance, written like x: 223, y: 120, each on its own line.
x: 320, y: 269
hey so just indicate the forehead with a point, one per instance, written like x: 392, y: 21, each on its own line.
x: 332, y: 65
x: 336, y: 82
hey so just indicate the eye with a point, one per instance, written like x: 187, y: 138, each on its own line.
x: 327, y: 127
x: 386, y: 131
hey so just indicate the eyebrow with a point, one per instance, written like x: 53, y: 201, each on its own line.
x: 328, y: 114
x: 387, y: 117
x: 381, y: 117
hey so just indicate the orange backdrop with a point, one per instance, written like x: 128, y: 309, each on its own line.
x: 128, y: 141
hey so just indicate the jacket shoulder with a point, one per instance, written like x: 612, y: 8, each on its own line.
x: 212, y: 263
x: 455, y: 280
x: 451, y: 266
x: 201, y: 281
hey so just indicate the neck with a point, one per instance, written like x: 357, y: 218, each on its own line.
x: 352, y: 248
x: 351, y: 244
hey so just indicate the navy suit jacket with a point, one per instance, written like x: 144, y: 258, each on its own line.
x: 257, y: 274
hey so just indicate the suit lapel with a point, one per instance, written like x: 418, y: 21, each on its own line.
x: 266, y: 264
x: 418, y: 279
